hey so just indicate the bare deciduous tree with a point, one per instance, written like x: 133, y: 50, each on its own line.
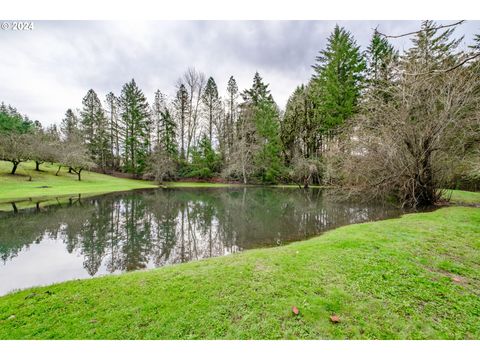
x: 195, y: 83
x: 244, y: 149
x: 407, y: 147
x: 74, y: 155
x: 15, y: 148
x: 161, y: 165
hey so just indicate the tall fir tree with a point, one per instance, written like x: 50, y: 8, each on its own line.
x: 298, y: 132
x: 168, y: 134
x: 258, y: 93
x: 337, y: 80
x: 232, y: 95
x: 268, y: 160
x: 136, y: 119
x: 260, y: 109
x: 432, y: 48
x: 69, y: 127
x: 181, y: 107
x: 380, y: 58
x: 165, y: 126
x: 94, y: 127
x: 382, y: 67
x: 158, y: 106
x: 115, y: 129
x: 211, y: 102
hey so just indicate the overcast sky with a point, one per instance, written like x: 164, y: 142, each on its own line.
x: 49, y: 69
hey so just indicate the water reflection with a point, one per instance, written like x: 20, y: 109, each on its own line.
x: 146, y: 229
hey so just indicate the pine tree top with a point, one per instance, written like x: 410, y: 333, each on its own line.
x: 259, y: 91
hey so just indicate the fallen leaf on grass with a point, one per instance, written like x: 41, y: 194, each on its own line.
x: 334, y: 318
x: 295, y: 310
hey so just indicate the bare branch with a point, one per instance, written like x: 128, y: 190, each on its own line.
x: 419, y: 31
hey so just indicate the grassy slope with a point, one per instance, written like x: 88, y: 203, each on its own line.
x: 463, y: 197
x: 17, y: 187
x: 413, y: 277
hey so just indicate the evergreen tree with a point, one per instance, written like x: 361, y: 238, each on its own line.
x: 136, y: 120
x: 260, y: 110
x: 211, y: 102
x: 94, y: 127
x: 115, y: 128
x: 381, y: 55
x: 205, y: 161
x: 432, y: 48
x: 158, y: 106
x: 168, y: 134
x: 12, y: 121
x: 165, y: 126
x: 232, y: 91
x: 298, y: 132
x: 382, y: 63
x: 181, y: 107
x: 258, y: 93
x: 268, y: 160
x: 69, y: 126
x: 339, y: 72
x: 476, y: 43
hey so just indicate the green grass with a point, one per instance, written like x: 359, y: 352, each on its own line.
x: 46, y: 185
x: 463, y: 197
x: 415, y: 277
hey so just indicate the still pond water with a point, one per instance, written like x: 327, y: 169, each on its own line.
x: 82, y: 238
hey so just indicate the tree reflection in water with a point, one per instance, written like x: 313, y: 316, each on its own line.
x: 149, y: 229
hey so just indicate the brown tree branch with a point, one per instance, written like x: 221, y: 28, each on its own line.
x: 418, y: 31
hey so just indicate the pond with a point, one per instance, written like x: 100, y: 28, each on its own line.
x: 81, y: 238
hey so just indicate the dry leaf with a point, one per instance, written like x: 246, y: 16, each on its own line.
x: 295, y: 310
x: 335, y: 319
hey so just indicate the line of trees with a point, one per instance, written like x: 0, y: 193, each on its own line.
x: 24, y: 140
x: 376, y: 122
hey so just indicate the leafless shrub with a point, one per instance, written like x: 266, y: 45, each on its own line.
x: 406, y: 144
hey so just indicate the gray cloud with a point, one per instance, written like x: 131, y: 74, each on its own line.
x: 47, y: 70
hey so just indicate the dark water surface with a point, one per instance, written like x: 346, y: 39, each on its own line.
x: 152, y: 228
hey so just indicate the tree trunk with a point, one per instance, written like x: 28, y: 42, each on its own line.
x: 15, y: 165
x: 37, y: 165
x: 305, y: 184
x: 56, y: 174
x: 244, y: 174
x: 79, y: 175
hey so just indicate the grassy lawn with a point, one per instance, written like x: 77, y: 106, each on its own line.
x: 46, y: 185
x: 416, y: 277
x: 463, y: 197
